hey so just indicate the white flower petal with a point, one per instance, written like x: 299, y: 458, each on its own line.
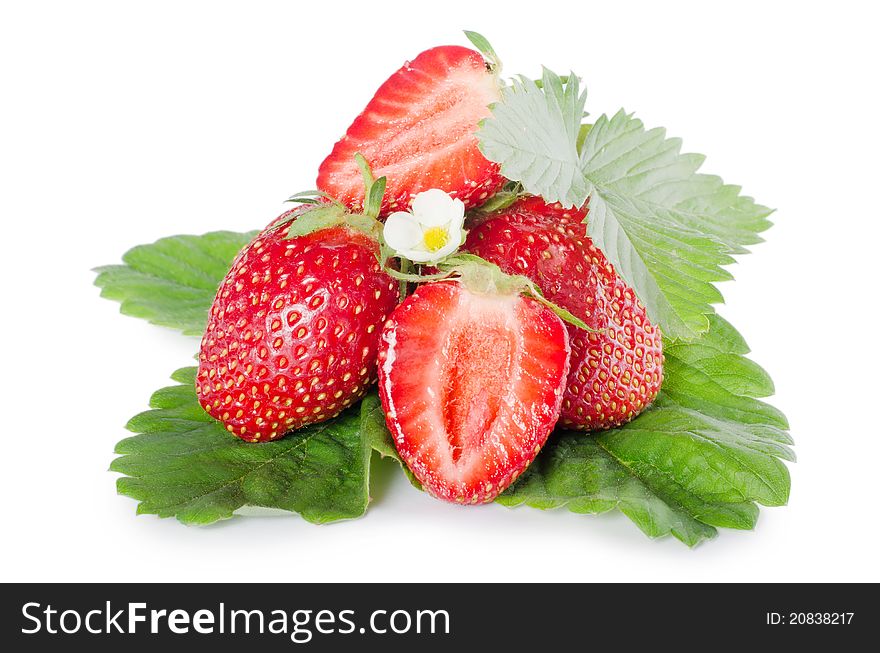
x: 402, y: 231
x: 457, y: 218
x: 418, y: 255
x: 434, y: 208
x: 459, y: 208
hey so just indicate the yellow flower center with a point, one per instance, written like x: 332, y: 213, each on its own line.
x: 435, y: 238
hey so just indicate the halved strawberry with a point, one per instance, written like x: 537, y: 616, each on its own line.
x: 419, y: 132
x: 471, y: 384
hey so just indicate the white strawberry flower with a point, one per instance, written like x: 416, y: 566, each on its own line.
x: 431, y: 231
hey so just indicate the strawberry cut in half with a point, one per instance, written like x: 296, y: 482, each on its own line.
x: 419, y: 132
x: 471, y: 385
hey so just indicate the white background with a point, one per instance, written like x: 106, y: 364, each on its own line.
x: 124, y: 122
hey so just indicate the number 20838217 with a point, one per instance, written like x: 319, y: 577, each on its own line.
x: 810, y: 618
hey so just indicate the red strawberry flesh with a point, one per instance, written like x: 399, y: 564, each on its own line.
x: 419, y: 132
x: 471, y: 385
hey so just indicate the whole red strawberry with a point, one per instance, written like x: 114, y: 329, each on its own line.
x: 616, y: 373
x: 471, y: 385
x: 294, y: 330
x: 419, y: 132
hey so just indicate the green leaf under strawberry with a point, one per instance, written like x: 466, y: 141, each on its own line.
x: 172, y: 282
x: 730, y: 444
x: 183, y: 464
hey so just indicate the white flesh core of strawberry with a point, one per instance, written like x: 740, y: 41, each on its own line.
x: 482, y: 344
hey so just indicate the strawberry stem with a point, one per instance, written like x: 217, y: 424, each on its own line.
x: 405, y: 267
x: 409, y: 277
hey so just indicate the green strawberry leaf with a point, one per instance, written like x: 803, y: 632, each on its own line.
x: 172, y: 282
x: 378, y: 435
x: 574, y: 471
x: 533, y: 136
x: 700, y: 458
x: 667, y: 229
x: 184, y: 464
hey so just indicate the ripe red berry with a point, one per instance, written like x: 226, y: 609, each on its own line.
x: 293, y: 332
x: 615, y: 374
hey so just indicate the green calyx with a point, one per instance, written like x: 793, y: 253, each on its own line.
x: 509, y: 193
x: 374, y: 189
x: 325, y: 211
x: 308, y: 197
x: 480, y: 276
x: 318, y: 217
